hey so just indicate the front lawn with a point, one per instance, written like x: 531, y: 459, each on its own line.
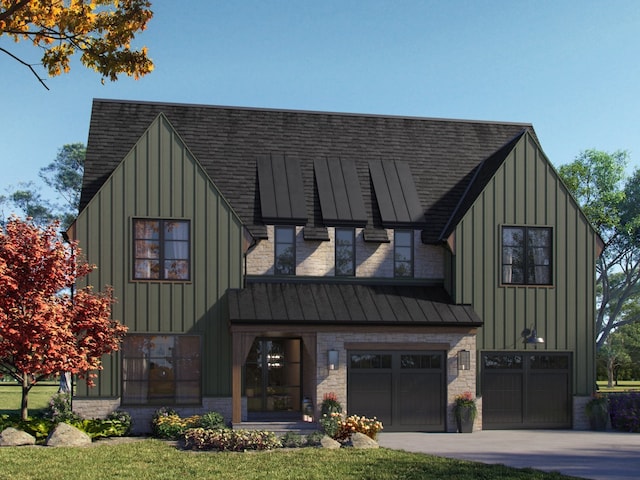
x: 623, y: 386
x: 39, y: 396
x: 155, y: 459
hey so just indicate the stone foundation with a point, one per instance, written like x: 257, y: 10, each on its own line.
x: 580, y: 419
x: 142, y: 415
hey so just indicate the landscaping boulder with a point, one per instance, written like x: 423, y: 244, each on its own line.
x: 360, y: 440
x: 11, y: 437
x: 330, y: 443
x: 65, y: 435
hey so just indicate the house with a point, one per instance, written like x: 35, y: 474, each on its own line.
x: 263, y: 258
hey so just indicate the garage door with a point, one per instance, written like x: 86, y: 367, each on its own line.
x: 405, y: 390
x: 526, y: 390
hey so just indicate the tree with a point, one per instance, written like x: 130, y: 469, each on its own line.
x: 614, y: 355
x: 64, y: 176
x: 28, y: 199
x: 102, y: 30
x: 44, y: 327
x: 611, y: 201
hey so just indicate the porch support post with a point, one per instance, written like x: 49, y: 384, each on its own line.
x: 241, y: 344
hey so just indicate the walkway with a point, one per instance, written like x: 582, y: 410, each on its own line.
x: 585, y: 454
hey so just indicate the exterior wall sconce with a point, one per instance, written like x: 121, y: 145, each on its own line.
x: 333, y: 360
x: 531, y: 336
x: 464, y: 360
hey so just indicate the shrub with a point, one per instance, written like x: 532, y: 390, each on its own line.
x: 59, y: 409
x: 167, y: 424
x: 292, y: 440
x: 230, y: 440
x: 98, y: 428
x: 354, y: 423
x: 37, y: 426
x: 314, y: 438
x: 624, y: 410
x: 341, y: 429
x: 172, y: 427
x: 330, y: 423
x: 212, y: 420
x: 122, y: 419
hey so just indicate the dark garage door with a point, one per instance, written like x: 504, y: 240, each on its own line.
x: 405, y: 390
x: 526, y: 390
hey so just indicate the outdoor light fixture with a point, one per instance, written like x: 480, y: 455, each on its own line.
x: 531, y: 336
x: 464, y: 360
x: 333, y: 359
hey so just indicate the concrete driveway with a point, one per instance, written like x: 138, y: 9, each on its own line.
x: 585, y: 454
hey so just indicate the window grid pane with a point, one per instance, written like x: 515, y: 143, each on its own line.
x: 526, y: 255
x: 345, y: 252
x: 285, y: 252
x: 403, y: 253
x: 161, y: 249
x: 161, y: 369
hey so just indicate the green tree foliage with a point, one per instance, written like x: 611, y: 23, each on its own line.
x: 64, y: 176
x: 611, y: 201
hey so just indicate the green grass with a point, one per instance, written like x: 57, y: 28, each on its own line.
x: 623, y: 386
x: 39, y: 396
x: 154, y: 459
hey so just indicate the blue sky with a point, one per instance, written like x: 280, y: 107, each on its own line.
x: 571, y: 68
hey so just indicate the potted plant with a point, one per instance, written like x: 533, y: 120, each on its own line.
x: 330, y: 404
x: 597, y: 410
x: 465, y: 411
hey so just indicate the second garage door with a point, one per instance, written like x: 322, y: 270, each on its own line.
x: 405, y: 390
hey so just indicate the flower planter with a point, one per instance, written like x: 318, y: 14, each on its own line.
x: 464, y: 419
x: 598, y: 421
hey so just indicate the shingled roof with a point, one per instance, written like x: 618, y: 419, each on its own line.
x: 444, y: 157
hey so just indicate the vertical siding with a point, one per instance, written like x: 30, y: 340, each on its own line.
x: 527, y: 191
x: 159, y: 178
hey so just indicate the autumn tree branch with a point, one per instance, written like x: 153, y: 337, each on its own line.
x: 26, y: 65
x: 13, y: 9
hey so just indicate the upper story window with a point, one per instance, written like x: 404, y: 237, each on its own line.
x: 345, y: 252
x: 285, y: 251
x: 526, y: 255
x: 403, y: 253
x: 161, y: 249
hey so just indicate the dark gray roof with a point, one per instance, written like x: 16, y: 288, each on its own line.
x: 347, y: 304
x: 442, y: 156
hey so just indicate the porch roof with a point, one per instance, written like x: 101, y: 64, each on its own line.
x: 347, y: 304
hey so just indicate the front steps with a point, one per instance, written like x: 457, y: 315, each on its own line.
x: 280, y: 427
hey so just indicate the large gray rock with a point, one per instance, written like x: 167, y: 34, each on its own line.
x: 11, y: 437
x: 65, y: 435
x: 360, y: 440
x: 330, y: 443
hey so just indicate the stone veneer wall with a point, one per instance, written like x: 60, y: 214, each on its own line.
x: 580, y: 419
x: 457, y: 381
x: 141, y: 416
x: 317, y: 258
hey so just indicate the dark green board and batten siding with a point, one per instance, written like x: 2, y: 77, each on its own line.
x: 160, y: 178
x: 526, y: 190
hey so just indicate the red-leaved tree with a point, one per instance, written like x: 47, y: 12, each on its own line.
x: 45, y: 327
